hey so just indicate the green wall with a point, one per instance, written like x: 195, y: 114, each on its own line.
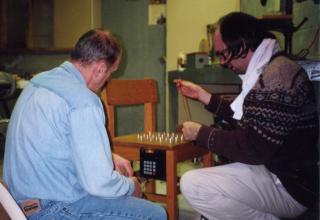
x: 143, y: 45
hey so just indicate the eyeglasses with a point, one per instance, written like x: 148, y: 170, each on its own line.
x: 221, y: 54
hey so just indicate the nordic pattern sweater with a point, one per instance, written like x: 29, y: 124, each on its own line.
x: 279, y: 129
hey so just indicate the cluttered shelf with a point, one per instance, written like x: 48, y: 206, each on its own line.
x: 6, y: 51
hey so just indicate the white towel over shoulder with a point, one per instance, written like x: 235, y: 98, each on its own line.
x: 258, y: 62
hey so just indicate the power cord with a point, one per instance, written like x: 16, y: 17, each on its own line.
x: 304, y: 52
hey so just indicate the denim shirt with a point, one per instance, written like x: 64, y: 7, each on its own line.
x: 57, y: 147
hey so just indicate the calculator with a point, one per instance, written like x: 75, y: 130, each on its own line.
x: 153, y: 163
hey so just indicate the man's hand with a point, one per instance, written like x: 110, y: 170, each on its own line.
x: 190, y: 130
x: 193, y: 91
x: 122, y: 165
x: 137, y: 187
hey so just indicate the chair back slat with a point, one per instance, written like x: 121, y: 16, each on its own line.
x: 130, y: 92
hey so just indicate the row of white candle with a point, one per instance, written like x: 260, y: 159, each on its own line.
x: 161, y: 137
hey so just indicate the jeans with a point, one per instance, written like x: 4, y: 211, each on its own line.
x: 92, y: 208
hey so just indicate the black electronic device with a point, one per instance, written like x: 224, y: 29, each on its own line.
x: 153, y: 163
x: 197, y: 60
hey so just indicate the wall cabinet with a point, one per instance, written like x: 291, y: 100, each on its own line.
x: 43, y: 24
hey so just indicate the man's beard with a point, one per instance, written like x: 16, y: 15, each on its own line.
x: 236, y: 71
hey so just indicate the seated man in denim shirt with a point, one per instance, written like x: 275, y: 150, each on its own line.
x: 58, y: 162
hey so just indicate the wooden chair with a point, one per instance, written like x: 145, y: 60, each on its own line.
x: 144, y: 92
x: 131, y: 92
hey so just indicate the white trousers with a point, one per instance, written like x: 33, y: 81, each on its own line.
x: 238, y: 191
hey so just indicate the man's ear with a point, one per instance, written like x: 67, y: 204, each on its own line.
x: 101, y: 68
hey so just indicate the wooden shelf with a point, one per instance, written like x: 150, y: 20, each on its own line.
x: 156, y: 2
x: 35, y: 51
x: 277, y: 16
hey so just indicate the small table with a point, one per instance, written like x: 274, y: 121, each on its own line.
x: 129, y: 146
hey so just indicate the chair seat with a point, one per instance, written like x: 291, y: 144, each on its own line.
x: 130, y: 143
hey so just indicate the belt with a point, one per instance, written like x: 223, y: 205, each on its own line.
x: 30, y: 207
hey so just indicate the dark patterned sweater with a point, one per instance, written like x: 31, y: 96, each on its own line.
x: 279, y: 129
